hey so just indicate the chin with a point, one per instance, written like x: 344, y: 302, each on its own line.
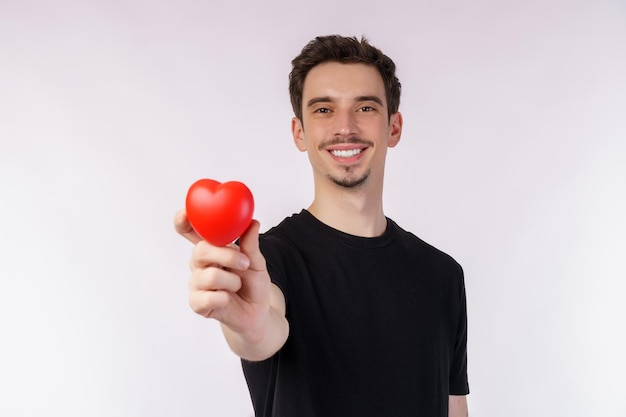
x: 350, y: 182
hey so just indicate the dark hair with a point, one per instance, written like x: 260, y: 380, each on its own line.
x: 345, y: 50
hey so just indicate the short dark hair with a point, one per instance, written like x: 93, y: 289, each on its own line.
x: 345, y: 50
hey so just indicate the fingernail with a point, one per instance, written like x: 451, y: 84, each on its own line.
x: 244, y: 262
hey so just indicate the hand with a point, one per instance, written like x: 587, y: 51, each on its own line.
x: 231, y: 284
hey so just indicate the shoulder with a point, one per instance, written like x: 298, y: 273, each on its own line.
x: 289, y: 225
x: 281, y: 235
x: 424, y: 252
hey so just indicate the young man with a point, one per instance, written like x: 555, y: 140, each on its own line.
x: 337, y: 311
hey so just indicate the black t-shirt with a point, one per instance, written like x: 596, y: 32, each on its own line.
x: 377, y: 325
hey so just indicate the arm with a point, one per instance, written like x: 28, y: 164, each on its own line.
x: 231, y: 284
x: 270, y: 335
x: 457, y: 406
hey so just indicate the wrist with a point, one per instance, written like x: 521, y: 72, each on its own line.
x: 261, y: 340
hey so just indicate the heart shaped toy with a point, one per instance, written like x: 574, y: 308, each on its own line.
x: 219, y: 212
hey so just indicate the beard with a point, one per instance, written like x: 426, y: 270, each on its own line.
x: 349, y: 180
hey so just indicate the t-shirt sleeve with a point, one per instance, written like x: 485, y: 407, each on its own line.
x: 458, y: 368
x: 276, y: 252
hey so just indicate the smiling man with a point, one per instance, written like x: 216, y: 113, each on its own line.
x: 348, y: 130
x: 338, y: 311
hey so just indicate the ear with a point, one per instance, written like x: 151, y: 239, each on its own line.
x: 297, y: 131
x: 395, y: 129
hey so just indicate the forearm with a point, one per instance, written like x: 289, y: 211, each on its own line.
x: 262, y: 343
x: 457, y: 406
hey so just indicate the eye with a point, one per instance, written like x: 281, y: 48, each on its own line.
x: 322, y: 110
x: 366, y: 109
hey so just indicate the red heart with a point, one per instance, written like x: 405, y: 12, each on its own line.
x: 218, y: 212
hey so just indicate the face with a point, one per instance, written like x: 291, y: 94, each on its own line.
x: 345, y: 126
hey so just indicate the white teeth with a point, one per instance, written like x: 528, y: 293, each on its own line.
x: 346, y: 154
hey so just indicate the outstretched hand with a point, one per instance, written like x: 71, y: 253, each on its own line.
x: 231, y: 284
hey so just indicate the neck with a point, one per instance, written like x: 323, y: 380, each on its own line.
x: 358, y: 212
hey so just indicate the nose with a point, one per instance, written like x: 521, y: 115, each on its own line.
x: 345, y: 123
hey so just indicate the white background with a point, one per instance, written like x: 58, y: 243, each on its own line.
x: 513, y: 160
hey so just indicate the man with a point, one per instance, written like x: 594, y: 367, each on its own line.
x: 337, y: 311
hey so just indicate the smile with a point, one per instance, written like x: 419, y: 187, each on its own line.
x: 346, y: 153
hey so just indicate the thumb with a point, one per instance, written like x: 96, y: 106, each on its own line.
x: 184, y: 228
x: 249, y: 245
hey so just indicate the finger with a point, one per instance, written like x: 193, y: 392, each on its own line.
x: 214, y: 279
x: 249, y: 244
x: 204, y: 255
x: 207, y: 303
x: 184, y: 228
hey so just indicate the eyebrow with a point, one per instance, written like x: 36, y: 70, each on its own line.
x: 375, y: 99
x: 327, y: 99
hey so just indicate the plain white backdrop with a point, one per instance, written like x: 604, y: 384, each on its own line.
x: 513, y: 160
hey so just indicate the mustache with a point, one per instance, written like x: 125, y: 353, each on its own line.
x: 341, y: 141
